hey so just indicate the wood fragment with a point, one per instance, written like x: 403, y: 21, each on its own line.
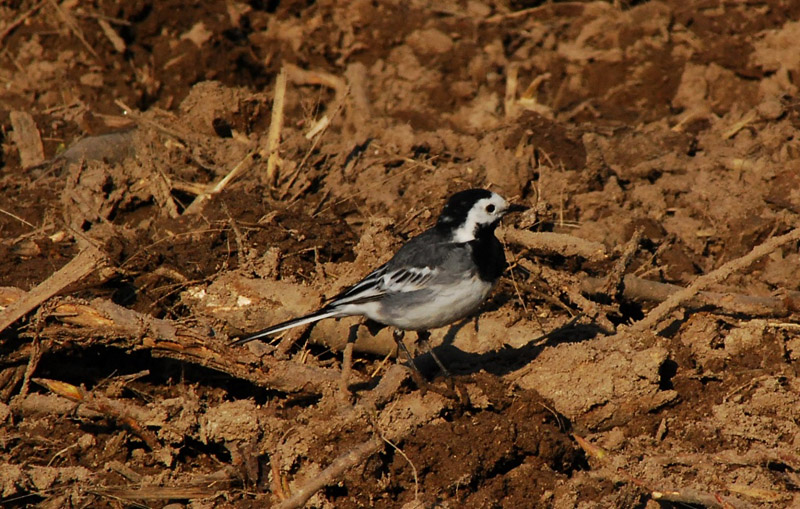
x: 715, y: 276
x: 347, y: 365
x: 280, y: 486
x: 164, y: 339
x: 730, y: 457
x: 38, y: 404
x: 116, y: 326
x: 318, y: 127
x: 528, y: 98
x: 351, y: 458
x: 10, y: 378
x: 161, y: 492
x: 760, y: 494
x: 9, y: 214
x: 643, y: 290
x: 510, y: 99
x: 409, y: 413
x: 614, y: 281
x: 121, y: 413
x: 82, y: 265
x: 749, y: 117
x: 554, y: 243
x: 33, y: 362
x: 124, y: 470
x: 595, y: 451
x: 111, y: 34
x: 549, y: 8
x: 690, y: 497
x: 27, y: 138
x: 97, y: 15
x: 358, y: 110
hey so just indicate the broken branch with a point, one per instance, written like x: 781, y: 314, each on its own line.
x: 715, y: 276
x: 77, y: 268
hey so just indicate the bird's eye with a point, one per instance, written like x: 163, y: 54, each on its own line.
x: 490, y: 208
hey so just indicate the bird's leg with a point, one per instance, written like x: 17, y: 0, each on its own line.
x: 398, y: 334
x: 454, y: 391
x: 423, y: 338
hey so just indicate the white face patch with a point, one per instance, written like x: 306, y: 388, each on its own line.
x: 486, y: 211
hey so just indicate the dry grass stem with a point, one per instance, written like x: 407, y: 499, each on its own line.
x: 275, y: 127
x: 69, y: 20
x: 244, y: 164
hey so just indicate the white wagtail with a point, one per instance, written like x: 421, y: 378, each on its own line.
x: 436, y: 278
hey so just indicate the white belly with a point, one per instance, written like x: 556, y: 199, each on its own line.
x: 451, y: 303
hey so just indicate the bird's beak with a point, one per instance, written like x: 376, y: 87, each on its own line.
x: 516, y: 208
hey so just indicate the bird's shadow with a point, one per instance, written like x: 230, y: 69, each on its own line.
x: 503, y: 361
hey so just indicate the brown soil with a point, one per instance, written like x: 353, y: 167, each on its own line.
x: 678, y: 120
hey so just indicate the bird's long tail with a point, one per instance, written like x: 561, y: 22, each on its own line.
x: 296, y: 322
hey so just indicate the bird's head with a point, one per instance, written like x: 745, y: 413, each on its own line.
x: 473, y: 212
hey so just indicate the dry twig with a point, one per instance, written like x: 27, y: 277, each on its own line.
x: 19, y: 20
x: 119, y: 327
x: 240, y: 167
x: 614, y: 280
x: 115, y: 410
x: 112, y: 35
x: 555, y: 243
x: 685, y: 496
x: 83, y: 264
x: 676, y: 299
x: 200, y: 489
x: 351, y: 458
x: 643, y: 290
x: 570, y: 288
x: 410, y: 412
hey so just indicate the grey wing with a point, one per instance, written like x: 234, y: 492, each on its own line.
x: 412, y: 268
x: 384, y: 281
x: 365, y: 290
x: 407, y: 279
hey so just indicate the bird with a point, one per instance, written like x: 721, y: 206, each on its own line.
x: 438, y: 277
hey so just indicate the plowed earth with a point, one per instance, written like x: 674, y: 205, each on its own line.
x: 147, y: 218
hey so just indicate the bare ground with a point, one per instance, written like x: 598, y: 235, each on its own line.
x: 147, y: 216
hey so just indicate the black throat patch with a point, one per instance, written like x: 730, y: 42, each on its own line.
x: 488, y: 255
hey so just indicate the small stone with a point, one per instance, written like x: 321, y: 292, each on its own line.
x: 429, y: 42
x: 770, y: 109
x: 86, y: 441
